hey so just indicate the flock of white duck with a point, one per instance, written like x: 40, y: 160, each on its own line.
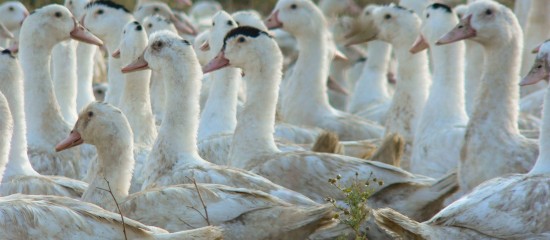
x: 213, y: 123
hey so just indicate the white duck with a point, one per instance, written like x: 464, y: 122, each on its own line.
x: 174, y: 158
x: 162, y: 9
x: 241, y: 212
x: 254, y: 148
x: 153, y: 24
x: 371, y: 99
x: 493, y: 145
x: 44, y: 121
x: 106, y: 20
x: 305, y: 21
x: 84, y: 60
x: 400, y: 27
x: 442, y: 125
x: 64, y: 78
x: 501, y: 208
x: 21, y: 212
x: 12, y: 14
x: 219, y: 115
x: 19, y: 176
x: 135, y: 102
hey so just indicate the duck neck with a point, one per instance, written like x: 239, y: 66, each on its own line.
x: 220, y: 111
x: 497, y: 101
x: 5, y: 133
x: 178, y: 131
x: 115, y: 165
x: 446, y: 100
x: 18, y: 163
x: 44, y: 120
x: 85, y: 54
x: 309, y: 75
x: 136, y: 104
x: 411, y: 92
x: 473, y: 71
x: 256, y: 124
x: 542, y: 166
x: 65, y: 79
x: 372, y: 84
x: 114, y: 75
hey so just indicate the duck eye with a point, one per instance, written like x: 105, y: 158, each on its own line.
x: 90, y: 114
x: 156, y: 9
x: 99, y: 92
x: 241, y: 39
x: 488, y: 12
x: 11, y: 9
x: 124, y: 32
x: 230, y: 23
x: 367, y: 13
x: 150, y: 25
x: 58, y: 14
x: 388, y: 16
x: 213, y: 24
x: 158, y: 45
x: 428, y: 15
x: 186, y: 42
x: 293, y: 6
x: 99, y: 12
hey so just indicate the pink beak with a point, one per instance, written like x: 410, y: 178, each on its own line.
x: 116, y: 54
x: 217, y: 63
x: 539, y: 71
x: 81, y: 34
x: 335, y: 86
x: 273, y: 21
x: 419, y: 45
x: 205, y: 46
x: 5, y: 33
x: 462, y: 31
x: 183, y: 27
x: 537, y: 48
x: 72, y: 140
x: 137, y: 65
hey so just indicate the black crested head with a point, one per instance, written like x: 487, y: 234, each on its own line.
x: 442, y: 6
x: 246, y: 31
x: 107, y: 3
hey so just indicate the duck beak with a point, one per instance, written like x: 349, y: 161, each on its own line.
x: 218, y: 62
x: 81, y: 34
x: 183, y: 27
x: 539, y: 71
x: 5, y: 33
x: 419, y: 45
x: 339, y: 55
x: 335, y: 86
x: 72, y: 140
x: 137, y: 65
x: 273, y: 21
x: 462, y: 31
x: 205, y: 46
x: 116, y: 54
x: 360, y: 33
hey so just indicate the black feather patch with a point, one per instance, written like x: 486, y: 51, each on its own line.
x: 246, y: 31
x: 138, y: 28
x: 442, y: 6
x: 106, y: 3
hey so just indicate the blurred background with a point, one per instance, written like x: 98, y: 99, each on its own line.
x: 263, y: 6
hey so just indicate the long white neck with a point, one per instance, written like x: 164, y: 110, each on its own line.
x: 114, y: 75
x: 5, y: 133
x: 497, y: 101
x: 307, y: 84
x: 85, y: 54
x: 44, y: 120
x: 446, y: 100
x: 158, y: 97
x: 115, y: 164
x: 372, y: 84
x: 18, y: 163
x: 411, y: 92
x: 220, y: 111
x: 475, y: 58
x: 256, y: 123
x: 178, y: 131
x: 65, y: 78
x: 542, y: 166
